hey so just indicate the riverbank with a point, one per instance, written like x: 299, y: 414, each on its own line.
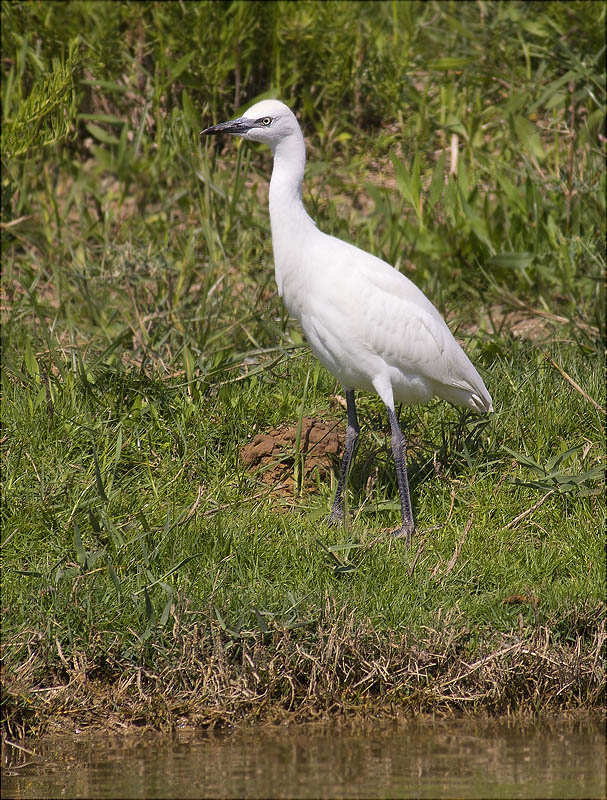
x: 335, y: 668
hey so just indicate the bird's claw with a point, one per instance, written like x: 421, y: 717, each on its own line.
x: 336, y: 517
x: 404, y: 532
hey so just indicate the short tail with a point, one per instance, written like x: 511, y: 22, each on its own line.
x: 483, y: 404
x: 476, y: 398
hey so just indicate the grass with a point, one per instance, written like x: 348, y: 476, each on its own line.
x: 144, y: 344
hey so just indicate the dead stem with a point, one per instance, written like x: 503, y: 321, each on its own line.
x: 337, y: 667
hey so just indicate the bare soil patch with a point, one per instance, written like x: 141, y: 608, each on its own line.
x: 273, y: 453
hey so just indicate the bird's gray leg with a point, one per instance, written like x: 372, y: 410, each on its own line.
x: 398, y: 450
x: 352, y: 431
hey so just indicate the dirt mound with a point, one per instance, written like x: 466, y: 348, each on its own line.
x: 273, y: 453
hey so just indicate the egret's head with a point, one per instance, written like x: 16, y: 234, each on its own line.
x: 269, y: 121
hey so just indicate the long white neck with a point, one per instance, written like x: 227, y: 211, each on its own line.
x: 288, y: 217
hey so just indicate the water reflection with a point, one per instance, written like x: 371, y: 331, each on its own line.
x: 425, y: 758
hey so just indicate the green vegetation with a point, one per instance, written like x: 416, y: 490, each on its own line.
x: 143, y: 342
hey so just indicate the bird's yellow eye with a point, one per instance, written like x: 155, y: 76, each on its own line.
x: 266, y: 120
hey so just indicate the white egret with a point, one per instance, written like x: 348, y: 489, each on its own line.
x: 368, y: 324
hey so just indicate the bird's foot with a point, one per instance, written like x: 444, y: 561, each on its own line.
x: 405, y: 531
x: 336, y: 517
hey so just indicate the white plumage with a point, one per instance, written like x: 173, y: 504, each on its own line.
x: 368, y: 324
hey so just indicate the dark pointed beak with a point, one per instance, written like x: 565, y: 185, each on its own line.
x: 238, y: 127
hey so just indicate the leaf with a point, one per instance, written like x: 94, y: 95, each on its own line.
x: 477, y: 224
x: 180, y: 67
x: 30, y: 361
x: 167, y: 606
x: 437, y: 185
x: 528, y: 135
x: 154, y: 582
x: 98, y: 479
x: 111, y: 119
x: 553, y: 89
x: 551, y: 477
x: 524, y: 460
x: 336, y: 548
x: 112, y: 530
x: 94, y: 521
x: 101, y: 135
x: 554, y: 463
x: 46, y: 116
x: 149, y: 609
x: 345, y: 569
x: 260, y: 620
x: 534, y: 28
x: 449, y: 62
x: 512, y: 193
x: 109, y: 85
x: 188, y: 363
x: 188, y: 110
x: 113, y: 576
x: 512, y: 260
x: 409, y: 183
x: 80, y: 552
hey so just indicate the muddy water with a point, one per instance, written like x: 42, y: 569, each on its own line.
x: 460, y: 758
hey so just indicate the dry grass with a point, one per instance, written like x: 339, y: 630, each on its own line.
x: 338, y: 668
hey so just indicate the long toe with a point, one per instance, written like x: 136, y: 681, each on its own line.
x: 404, y: 532
x: 336, y: 517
